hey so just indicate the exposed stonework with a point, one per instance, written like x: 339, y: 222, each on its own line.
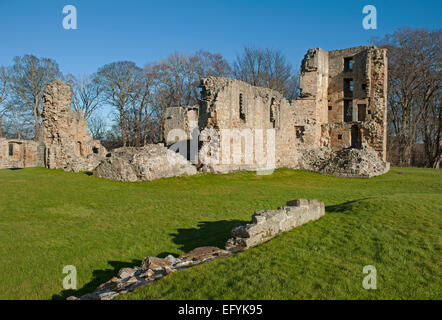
x: 151, y: 270
x: 366, y: 118
x: 63, y: 139
x: 182, y: 118
x: 64, y: 133
x: 341, y: 108
x: 243, y: 110
x: 267, y: 224
x: 342, y: 105
x: 15, y: 153
x: 361, y: 162
x: 150, y: 162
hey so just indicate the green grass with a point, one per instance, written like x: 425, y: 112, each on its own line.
x: 51, y: 218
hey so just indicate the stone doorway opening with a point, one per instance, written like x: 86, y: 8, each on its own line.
x: 355, y: 137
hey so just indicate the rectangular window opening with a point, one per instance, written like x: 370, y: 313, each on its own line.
x: 348, y: 88
x: 348, y: 64
x: 348, y: 110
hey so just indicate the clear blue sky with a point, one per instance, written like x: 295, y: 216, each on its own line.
x: 145, y: 31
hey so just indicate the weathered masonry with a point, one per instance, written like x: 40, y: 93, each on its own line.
x: 342, y: 106
x: 337, y: 126
x: 265, y: 225
x: 63, y: 140
x: 64, y: 137
x: 16, y: 153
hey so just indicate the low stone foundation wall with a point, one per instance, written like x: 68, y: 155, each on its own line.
x: 152, y: 269
x: 267, y: 224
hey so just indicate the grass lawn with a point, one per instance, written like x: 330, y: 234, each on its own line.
x: 51, y: 218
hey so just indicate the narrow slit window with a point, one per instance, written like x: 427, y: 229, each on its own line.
x: 272, y: 116
x: 242, y: 114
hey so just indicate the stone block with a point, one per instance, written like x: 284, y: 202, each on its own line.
x: 267, y: 224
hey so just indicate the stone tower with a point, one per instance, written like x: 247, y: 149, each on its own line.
x: 64, y: 138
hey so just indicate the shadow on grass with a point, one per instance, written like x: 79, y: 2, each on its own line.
x: 100, y: 276
x: 344, y: 207
x: 208, y: 233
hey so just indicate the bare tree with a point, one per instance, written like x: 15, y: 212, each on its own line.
x: 177, y: 79
x: 139, y: 116
x: 18, y: 122
x: 30, y: 76
x: 117, y: 84
x: 4, y: 91
x: 97, y: 127
x: 414, y: 93
x: 208, y: 64
x: 86, y: 94
x: 140, y: 97
x: 266, y: 68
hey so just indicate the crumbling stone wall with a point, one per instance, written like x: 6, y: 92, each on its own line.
x: 64, y: 133
x: 267, y: 224
x: 245, y: 112
x: 151, y: 270
x: 342, y: 105
x: 366, y: 103
x: 16, y: 153
x: 63, y: 140
x: 182, y: 118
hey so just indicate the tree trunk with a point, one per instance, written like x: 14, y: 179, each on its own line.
x: 123, y: 127
x: 36, y: 118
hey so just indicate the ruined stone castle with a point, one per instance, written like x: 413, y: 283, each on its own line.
x: 337, y: 126
x: 63, y: 140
